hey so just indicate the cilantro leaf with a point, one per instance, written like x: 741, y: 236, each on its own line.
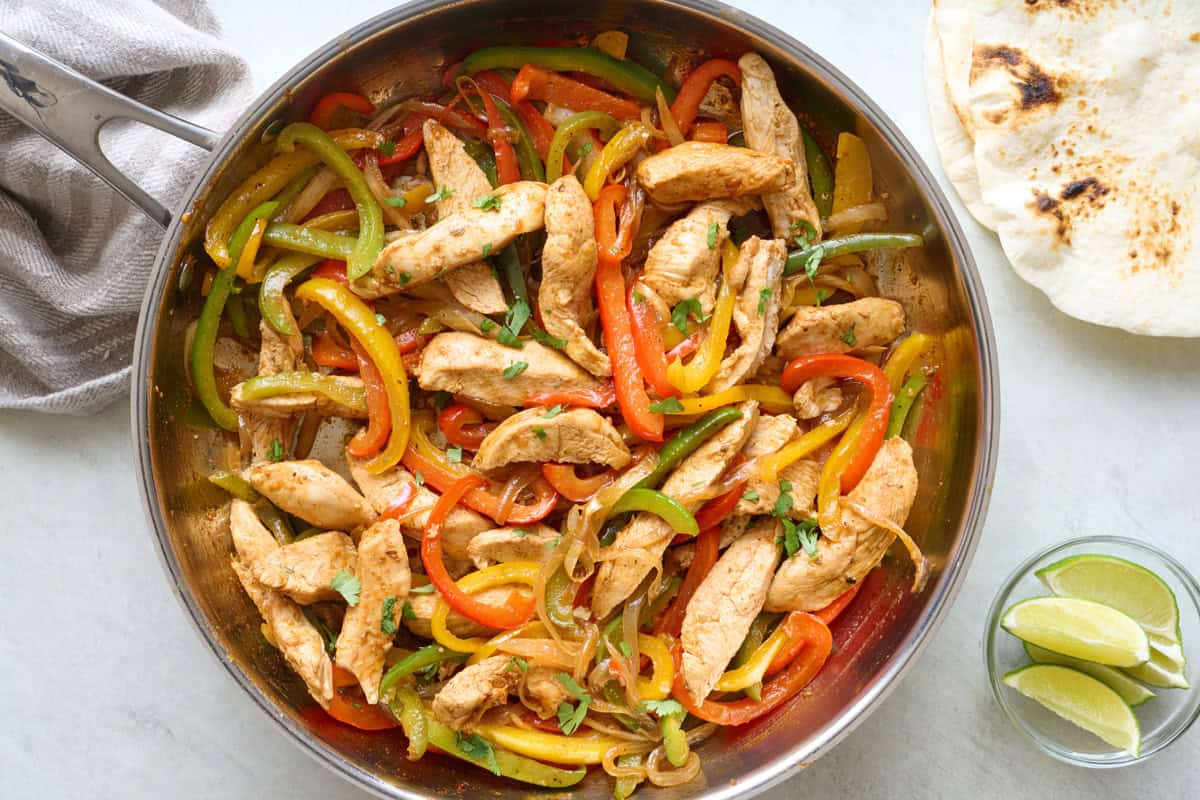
x: 381, y: 319
x: 541, y: 336
x: 387, y: 148
x: 454, y: 454
x: 663, y: 708
x: 521, y: 663
x: 487, y: 248
x: 806, y: 234
x: 553, y: 411
x: 441, y: 399
x: 684, y: 309
x: 570, y: 717
x: 387, y: 623
x: 713, y: 228
x: 521, y: 532
x: 347, y: 586
x: 799, y: 536
x: 275, y: 450
x: 407, y: 611
x: 822, y: 296
x: 849, y: 337
x: 585, y: 148
x: 405, y: 277
x: 396, y: 202
x: 514, y: 369
x: 764, y: 294
x: 813, y: 262
x: 426, y: 589
x: 577, y: 691
x: 488, y: 202
x: 750, y: 496
x: 478, y: 749
x: 518, y: 314
x: 784, y: 504
x: 441, y: 194
x: 486, y: 325
x: 539, y: 431
x: 670, y: 405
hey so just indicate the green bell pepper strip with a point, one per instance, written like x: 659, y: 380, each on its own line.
x: 484, y: 157
x: 668, y: 509
x: 853, y: 243
x: 370, y: 216
x: 261, y: 387
x: 903, y: 404
x: 275, y: 520
x: 623, y: 788
x: 430, y: 654
x: 235, y: 484
x: 315, y: 242
x: 235, y: 309
x: 527, y: 155
x: 627, y: 76
x: 560, y: 606
x: 565, y: 132
x: 820, y: 174
x: 510, y: 267
x: 271, y: 302
x: 406, y: 707
x: 651, y: 610
x: 499, y: 762
x: 204, y: 341
x: 674, y: 740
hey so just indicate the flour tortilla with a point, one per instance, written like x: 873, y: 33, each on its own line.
x: 956, y: 149
x: 1085, y: 116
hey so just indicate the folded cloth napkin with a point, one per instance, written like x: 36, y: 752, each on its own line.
x: 75, y: 255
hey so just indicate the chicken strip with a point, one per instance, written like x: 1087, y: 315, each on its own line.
x: 726, y: 602
x: 381, y: 489
x: 297, y: 639
x: 369, y: 626
x: 683, y: 263
x: 543, y: 692
x: 510, y: 544
x: 758, y: 273
x: 574, y: 436
x: 262, y: 430
x: 817, y: 396
x: 476, y: 689
x: 313, y: 492
x: 695, y: 171
x: 251, y: 539
x: 475, y: 367
x: 455, y: 241
x: 640, y: 544
x: 770, y: 127
x: 841, y: 328
x: 304, y: 570
x: 568, y: 271
x: 286, y: 406
x: 887, y: 490
x: 451, y: 166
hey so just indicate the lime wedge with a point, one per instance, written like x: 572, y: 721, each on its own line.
x: 1080, y: 628
x: 1080, y: 699
x: 1166, y: 668
x: 1127, y: 587
x: 1130, y: 690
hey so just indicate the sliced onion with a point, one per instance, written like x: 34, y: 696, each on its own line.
x: 670, y: 776
x: 542, y: 652
x: 380, y: 190
x: 670, y: 126
x: 609, y: 761
x: 861, y: 282
x: 320, y: 185
x: 914, y: 552
x: 519, y: 481
x: 855, y: 215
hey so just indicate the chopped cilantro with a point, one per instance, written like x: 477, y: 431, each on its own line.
x: 663, y: 708
x: 670, y: 405
x: 407, y: 611
x: 381, y: 319
x: 441, y: 194
x: 713, y: 229
x: 487, y: 326
x: 764, y: 294
x: 553, y: 411
x: 804, y: 232
x: 849, y: 337
x: 487, y: 248
x: 521, y: 532
x: 822, y: 296
x: 478, y: 749
x: 275, y: 450
x: 585, y: 148
x: 441, y: 399
x: 639, y: 298
x: 387, y: 623
x: 813, y: 262
x: 514, y: 321
x: 405, y: 277
x: 750, y: 496
x: 784, y: 504
x: 489, y: 202
x: 454, y: 454
x: 539, y: 431
x: 348, y: 586
x: 514, y: 369
x: 396, y: 202
x: 570, y: 717
x: 387, y: 148
x: 799, y: 536
x: 546, y: 339
x: 521, y: 663
x: 686, y: 308
x: 426, y: 589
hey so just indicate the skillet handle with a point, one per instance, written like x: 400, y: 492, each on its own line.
x: 70, y: 109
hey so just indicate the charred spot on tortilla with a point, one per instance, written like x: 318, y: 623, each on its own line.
x: 1045, y: 204
x: 1093, y: 187
x: 1083, y: 8
x: 1037, y: 87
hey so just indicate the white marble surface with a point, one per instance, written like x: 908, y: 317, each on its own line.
x: 107, y: 691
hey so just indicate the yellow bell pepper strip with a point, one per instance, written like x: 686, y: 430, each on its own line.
x: 406, y: 707
x: 565, y: 133
x: 769, y: 466
x: 479, y: 751
x: 204, y: 340
x: 370, y: 225
x: 851, y: 177
x: 621, y: 148
x: 692, y: 377
x: 903, y: 357
x: 658, y: 685
x: 550, y: 746
x: 755, y: 668
x: 614, y: 43
x: 281, y: 383
x: 525, y: 572
x: 903, y: 404
x: 773, y: 399
x: 359, y: 321
x: 243, y: 245
x: 274, y: 177
x: 807, y: 259
x: 271, y: 301
x: 829, y: 485
x: 625, y: 75
x: 309, y: 240
x: 820, y: 174
x: 652, y: 501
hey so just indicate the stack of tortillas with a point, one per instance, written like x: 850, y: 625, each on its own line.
x: 1072, y: 129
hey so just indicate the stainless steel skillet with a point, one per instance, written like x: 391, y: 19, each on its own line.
x: 401, y: 53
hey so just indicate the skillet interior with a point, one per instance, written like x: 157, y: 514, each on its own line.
x: 401, y: 54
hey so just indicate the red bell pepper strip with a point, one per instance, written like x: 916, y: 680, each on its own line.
x: 371, y: 439
x: 482, y: 498
x: 792, y: 622
x: 409, y: 341
x: 715, y: 511
x: 507, y: 168
x: 836, y: 365
x: 327, y: 352
x: 648, y: 343
x: 576, y: 489
x: 405, y: 147
x: 695, y: 86
x: 539, y: 127
x: 332, y: 270
x: 464, y: 426
x: 832, y: 611
x: 614, y: 318
x: 351, y: 707
x: 708, y: 131
x: 513, y: 614
x: 400, y: 504
x: 336, y: 200
x: 322, y: 113
x: 535, y: 83
x: 450, y: 117
x: 707, y: 545
x: 818, y: 643
x: 604, y: 397
x: 686, y: 347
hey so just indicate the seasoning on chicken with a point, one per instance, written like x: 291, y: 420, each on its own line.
x: 574, y: 436
x: 451, y: 166
x: 476, y: 689
x: 800, y: 477
x: 313, y: 492
x: 568, y: 271
x: 543, y: 692
x: 263, y: 430
x: 770, y: 127
x: 695, y: 171
x: 510, y: 544
x: 456, y: 240
x: 481, y: 369
x: 757, y: 276
x: 817, y: 396
x: 305, y: 570
x: 841, y: 328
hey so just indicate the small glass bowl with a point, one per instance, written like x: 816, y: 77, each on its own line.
x: 1163, y: 719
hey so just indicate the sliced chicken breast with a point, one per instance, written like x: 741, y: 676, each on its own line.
x: 501, y: 545
x: 543, y: 692
x: 422, y: 606
x: 758, y: 274
x: 841, y: 328
x: 313, y: 492
x: 261, y: 430
x: 476, y: 689
x: 304, y: 570
x: 817, y: 396
x: 574, y: 436
x: 251, y: 539
x: 695, y: 171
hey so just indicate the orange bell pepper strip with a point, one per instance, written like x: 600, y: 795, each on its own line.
x: 513, y: 614
x: 371, y: 439
x: 695, y: 86
x: 350, y: 707
x: 535, y: 83
x: 648, y: 343
x: 875, y: 423
x: 816, y: 647
x: 707, y: 545
x: 482, y: 498
x: 507, y: 168
x: 322, y: 113
x: 603, y: 397
x: 464, y: 426
x: 708, y: 131
x: 327, y: 352
x: 539, y: 127
x: 576, y: 489
x: 614, y: 319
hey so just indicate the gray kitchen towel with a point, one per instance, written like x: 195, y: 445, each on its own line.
x: 75, y: 255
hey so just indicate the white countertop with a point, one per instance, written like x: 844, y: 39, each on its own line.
x: 108, y: 692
